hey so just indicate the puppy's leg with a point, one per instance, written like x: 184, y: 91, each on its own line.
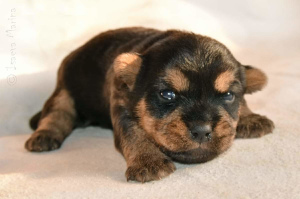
x: 145, y: 162
x: 144, y: 159
x: 252, y: 125
x: 33, y: 123
x: 55, y: 124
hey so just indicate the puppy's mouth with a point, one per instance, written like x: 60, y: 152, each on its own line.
x: 198, y: 155
x: 191, y: 144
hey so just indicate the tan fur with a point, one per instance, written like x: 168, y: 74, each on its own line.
x: 170, y: 132
x: 145, y: 161
x: 126, y: 67
x: 225, y: 131
x: 177, y: 79
x: 243, y: 109
x: 222, y: 83
x: 61, y: 116
x: 131, y: 151
x: 252, y: 125
x: 255, y: 80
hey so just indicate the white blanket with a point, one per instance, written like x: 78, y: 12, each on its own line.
x: 36, y: 35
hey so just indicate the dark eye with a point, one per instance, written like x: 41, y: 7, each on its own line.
x: 167, y: 94
x: 228, y: 97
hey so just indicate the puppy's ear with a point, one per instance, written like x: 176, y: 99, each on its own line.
x: 126, y: 68
x: 255, y: 79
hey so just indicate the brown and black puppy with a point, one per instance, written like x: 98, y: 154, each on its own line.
x: 167, y: 95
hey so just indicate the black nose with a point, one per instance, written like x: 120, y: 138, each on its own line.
x: 201, y: 133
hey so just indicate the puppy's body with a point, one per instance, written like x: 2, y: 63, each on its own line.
x: 85, y: 70
x: 166, y: 94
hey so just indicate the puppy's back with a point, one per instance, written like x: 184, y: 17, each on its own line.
x: 83, y: 72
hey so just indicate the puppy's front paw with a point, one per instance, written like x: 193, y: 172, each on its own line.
x: 253, y: 126
x: 42, y: 141
x: 149, y: 168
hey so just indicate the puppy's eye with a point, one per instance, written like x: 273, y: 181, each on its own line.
x: 228, y: 97
x: 167, y: 94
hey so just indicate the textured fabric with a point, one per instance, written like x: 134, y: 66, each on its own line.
x: 264, y: 34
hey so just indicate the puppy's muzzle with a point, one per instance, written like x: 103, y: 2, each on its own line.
x: 201, y: 133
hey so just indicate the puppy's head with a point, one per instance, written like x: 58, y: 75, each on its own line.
x: 185, y: 93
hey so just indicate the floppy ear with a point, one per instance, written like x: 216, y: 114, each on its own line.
x: 126, y: 68
x: 255, y: 79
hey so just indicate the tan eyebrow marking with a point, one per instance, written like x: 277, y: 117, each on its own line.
x: 177, y: 79
x: 222, y: 83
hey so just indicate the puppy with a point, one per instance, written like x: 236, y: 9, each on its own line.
x: 167, y: 95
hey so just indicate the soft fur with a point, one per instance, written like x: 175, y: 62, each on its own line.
x: 120, y: 80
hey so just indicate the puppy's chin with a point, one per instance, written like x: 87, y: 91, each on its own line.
x: 198, y: 155
x: 205, y: 152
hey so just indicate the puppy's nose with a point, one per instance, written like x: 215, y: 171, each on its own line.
x: 201, y: 133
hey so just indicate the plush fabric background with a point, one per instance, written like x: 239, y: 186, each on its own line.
x: 262, y: 33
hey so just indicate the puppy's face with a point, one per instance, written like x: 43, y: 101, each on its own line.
x: 186, y: 94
